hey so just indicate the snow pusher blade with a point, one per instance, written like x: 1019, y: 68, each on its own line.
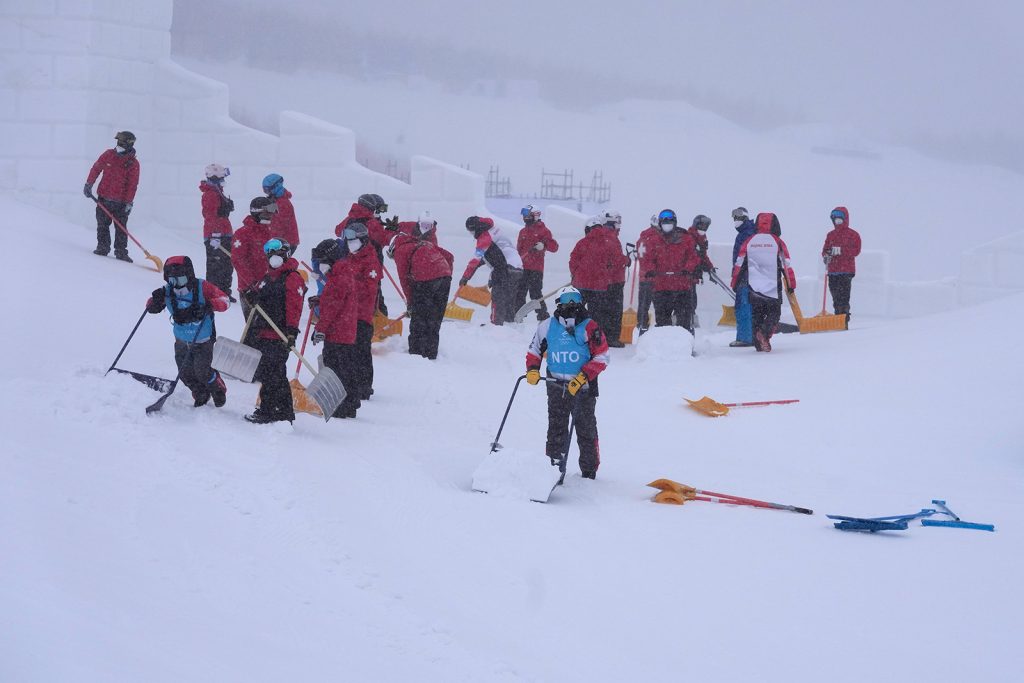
x: 628, y: 326
x: 384, y: 327
x: 708, y: 406
x: 534, y: 304
x: 956, y: 522
x: 235, y: 359
x: 819, y: 323
x: 520, y: 475
x: 873, y: 524
x: 301, y: 400
x: 156, y: 383
x: 728, y: 318
x: 453, y: 311
x: 481, y: 296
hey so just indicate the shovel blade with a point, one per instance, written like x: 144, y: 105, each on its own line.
x: 519, y: 475
x: 156, y: 262
x: 453, y: 311
x: 728, y: 318
x: 481, y: 296
x: 327, y: 392
x: 234, y: 359
x: 709, y: 406
x: 526, y: 309
x: 301, y: 401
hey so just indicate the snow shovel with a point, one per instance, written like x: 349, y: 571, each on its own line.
x: 713, y: 408
x: 236, y: 359
x: 728, y: 318
x: 157, y: 263
x: 156, y: 407
x: 672, y: 492
x: 819, y: 323
x: 326, y: 389
x: 518, y: 475
x: 481, y: 296
x: 384, y: 327
x: 534, y: 304
x: 629, y: 315
x: 156, y: 383
x: 301, y: 401
x: 453, y: 311
x: 956, y: 522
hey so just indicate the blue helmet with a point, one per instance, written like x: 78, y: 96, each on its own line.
x: 273, y: 185
x: 276, y: 246
x: 667, y: 216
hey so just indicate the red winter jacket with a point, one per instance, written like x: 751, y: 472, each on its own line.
x: 700, y: 239
x: 294, y: 297
x: 247, y: 252
x: 419, y: 260
x: 367, y: 271
x: 674, y: 262
x: 282, y: 223
x: 645, y: 251
x: 529, y: 236
x: 848, y: 241
x: 120, y: 175
x: 413, y: 228
x: 339, y: 305
x: 361, y: 214
x: 213, y: 222
x: 597, y: 261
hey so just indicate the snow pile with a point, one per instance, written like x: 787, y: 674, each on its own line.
x: 194, y: 546
x: 664, y: 345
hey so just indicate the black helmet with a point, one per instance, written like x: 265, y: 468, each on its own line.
x: 262, y: 208
x: 125, y: 138
x: 373, y: 202
x: 701, y: 222
x: 179, y: 266
x: 356, y: 230
x: 328, y: 251
x: 477, y: 225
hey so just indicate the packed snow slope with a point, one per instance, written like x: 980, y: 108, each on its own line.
x: 194, y: 546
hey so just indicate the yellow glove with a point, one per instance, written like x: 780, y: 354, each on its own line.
x: 532, y: 376
x: 576, y: 383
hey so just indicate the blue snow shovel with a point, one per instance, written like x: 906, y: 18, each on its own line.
x: 873, y: 524
x: 956, y: 522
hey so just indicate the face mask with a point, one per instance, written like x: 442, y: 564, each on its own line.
x: 426, y: 227
x: 837, y: 221
x: 276, y: 261
x: 737, y: 224
x: 120, y: 149
x: 702, y: 231
x: 354, y: 245
x: 667, y: 227
x: 324, y: 268
x: 569, y: 323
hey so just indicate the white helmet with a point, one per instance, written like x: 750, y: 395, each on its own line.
x: 217, y: 171
x: 654, y: 220
x: 612, y: 218
x: 426, y: 222
x: 594, y: 220
x: 569, y: 295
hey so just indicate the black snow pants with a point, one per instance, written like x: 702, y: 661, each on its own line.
x: 601, y: 309
x: 196, y: 373
x: 674, y: 307
x: 643, y: 306
x: 839, y: 285
x: 364, y: 360
x: 272, y: 374
x: 426, y: 308
x: 532, y: 285
x: 104, y: 226
x: 765, y: 312
x: 560, y: 403
x: 343, y: 359
x: 615, y: 304
x: 219, y: 270
x: 504, y: 285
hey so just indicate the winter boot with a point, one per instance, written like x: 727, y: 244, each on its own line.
x: 590, y: 474
x: 124, y: 257
x: 200, y: 397
x: 219, y: 391
x: 740, y: 344
x: 262, y: 417
x: 760, y: 341
x: 100, y: 252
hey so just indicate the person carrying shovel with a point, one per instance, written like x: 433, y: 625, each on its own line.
x: 577, y: 353
x: 192, y: 303
x: 277, y: 298
x: 120, y: 170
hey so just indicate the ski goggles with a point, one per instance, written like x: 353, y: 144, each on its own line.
x: 274, y: 245
x: 177, y: 280
x: 837, y: 214
x: 739, y: 214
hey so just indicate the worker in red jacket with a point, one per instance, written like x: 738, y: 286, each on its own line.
x: 595, y: 264
x: 366, y: 269
x: 120, y: 170
x: 368, y: 210
x: 191, y: 303
x: 283, y: 225
x: 534, y: 241
x: 247, y: 247
x: 338, y: 319
x: 674, y: 262
x: 425, y: 273
x: 280, y: 295
x: 217, y: 208
x: 764, y: 259
x: 699, y: 232
x: 644, y: 251
x: 840, y: 251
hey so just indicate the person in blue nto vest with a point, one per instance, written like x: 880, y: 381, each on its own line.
x: 745, y: 229
x: 577, y: 353
x: 192, y: 303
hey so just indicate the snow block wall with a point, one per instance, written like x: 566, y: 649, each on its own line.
x: 991, y: 270
x: 76, y: 71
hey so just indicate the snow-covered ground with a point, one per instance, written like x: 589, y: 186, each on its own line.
x: 194, y: 546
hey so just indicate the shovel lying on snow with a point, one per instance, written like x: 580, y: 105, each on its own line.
x: 534, y: 304
x: 674, y: 493
x: 326, y: 388
x: 156, y: 383
x: 713, y: 408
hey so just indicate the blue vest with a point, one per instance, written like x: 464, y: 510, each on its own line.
x: 567, y: 353
x: 186, y: 332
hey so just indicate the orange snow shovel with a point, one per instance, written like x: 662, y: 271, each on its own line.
x: 384, y: 327
x: 674, y: 493
x: 629, y: 315
x: 481, y: 296
x: 819, y: 323
x: 713, y: 408
x: 453, y: 311
x: 155, y: 259
x: 301, y: 399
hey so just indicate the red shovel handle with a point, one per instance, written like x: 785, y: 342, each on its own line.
x: 761, y: 403
x: 119, y: 224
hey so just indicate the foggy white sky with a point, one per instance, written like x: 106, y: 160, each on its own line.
x: 937, y: 74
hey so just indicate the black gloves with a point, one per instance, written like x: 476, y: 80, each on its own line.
x: 391, y: 223
x: 318, y: 337
x: 87, y: 190
x: 314, y: 301
x: 157, y: 301
x: 463, y: 282
x: 226, y: 207
x: 292, y: 333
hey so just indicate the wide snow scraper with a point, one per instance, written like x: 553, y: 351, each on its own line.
x: 512, y: 474
x: 956, y: 522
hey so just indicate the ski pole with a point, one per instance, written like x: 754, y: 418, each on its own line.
x: 126, y: 342
x: 155, y: 259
